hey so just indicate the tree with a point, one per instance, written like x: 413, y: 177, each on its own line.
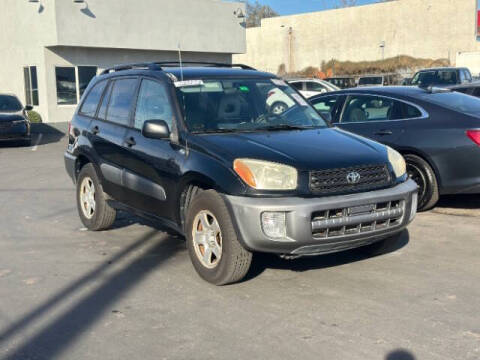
x: 256, y: 12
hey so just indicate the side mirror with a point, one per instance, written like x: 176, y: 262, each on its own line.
x: 155, y: 129
x: 28, y: 107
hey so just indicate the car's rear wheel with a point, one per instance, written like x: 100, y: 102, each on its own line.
x: 279, y: 108
x: 422, y: 173
x: 213, y: 246
x: 94, y: 211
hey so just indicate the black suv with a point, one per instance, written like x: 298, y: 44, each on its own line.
x: 199, y: 149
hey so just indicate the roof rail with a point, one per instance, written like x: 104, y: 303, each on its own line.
x: 204, y: 63
x: 146, y: 65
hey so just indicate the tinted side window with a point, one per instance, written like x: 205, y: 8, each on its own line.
x: 121, y: 99
x: 411, y: 112
x: 297, y: 85
x: 102, y: 112
x: 89, y: 106
x: 314, y: 86
x: 364, y: 108
x: 325, y: 105
x: 153, y: 104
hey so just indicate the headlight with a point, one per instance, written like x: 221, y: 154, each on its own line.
x: 397, y: 161
x: 265, y: 175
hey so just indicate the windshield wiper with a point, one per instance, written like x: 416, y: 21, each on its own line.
x: 285, y: 127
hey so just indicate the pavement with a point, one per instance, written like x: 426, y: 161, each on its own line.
x: 131, y: 292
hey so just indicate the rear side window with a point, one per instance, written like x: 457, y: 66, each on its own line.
x: 412, y: 112
x: 89, y: 106
x: 314, y: 86
x: 297, y: 85
x: 121, y: 100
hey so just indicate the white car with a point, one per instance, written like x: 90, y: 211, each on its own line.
x: 279, y: 102
x: 312, y: 87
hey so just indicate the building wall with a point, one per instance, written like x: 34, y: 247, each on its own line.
x: 470, y: 60
x: 24, y: 27
x: 420, y: 28
x: 105, y: 33
x: 198, y: 25
x: 103, y: 58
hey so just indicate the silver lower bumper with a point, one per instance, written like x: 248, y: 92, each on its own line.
x: 327, y: 224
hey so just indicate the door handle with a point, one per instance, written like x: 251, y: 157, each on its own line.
x: 95, y: 130
x: 384, y: 132
x: 130, y: 141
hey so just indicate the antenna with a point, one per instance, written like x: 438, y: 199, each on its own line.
x: 180, y: 60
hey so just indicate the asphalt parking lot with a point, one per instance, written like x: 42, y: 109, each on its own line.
x: 131, y: 293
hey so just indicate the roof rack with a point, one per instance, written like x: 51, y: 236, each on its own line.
x: 158, y: 66
x: 146, y: 65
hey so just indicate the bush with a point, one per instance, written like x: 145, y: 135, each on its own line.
x: 34, y: 117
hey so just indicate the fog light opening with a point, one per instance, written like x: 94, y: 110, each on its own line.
x: 274, y: 224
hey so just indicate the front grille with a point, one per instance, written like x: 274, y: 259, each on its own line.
x: 369, y: 218
x: 336, y: 180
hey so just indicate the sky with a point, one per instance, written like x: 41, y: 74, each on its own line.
x: 287, y: 7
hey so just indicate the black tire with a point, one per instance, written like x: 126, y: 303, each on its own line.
x: 235, y: 261
x: 104, y: 215
x: 381, y: 247
x: 422, y: 173
x: 27, y: 142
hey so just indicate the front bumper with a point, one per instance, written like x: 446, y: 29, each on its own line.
x: 14, y: 132
x: 325, y: 225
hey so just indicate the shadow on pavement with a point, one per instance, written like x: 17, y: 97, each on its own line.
x: 56, y: 336
x: 263, y: 261
x: 48, y: 133
x: 461, y: 201
x: 400, y: 354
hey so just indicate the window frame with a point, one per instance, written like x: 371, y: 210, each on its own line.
x: 423, y: 112
x: 87, y: 93
x: 112, y: 80
x: 29, y: 98
x: 167, y: 92
x: 77, y: 82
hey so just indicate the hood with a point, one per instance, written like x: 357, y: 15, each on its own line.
x: 303, y: 149
x: 11, y: 116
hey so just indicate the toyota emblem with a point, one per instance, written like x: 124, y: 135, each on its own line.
x: 353, y: 177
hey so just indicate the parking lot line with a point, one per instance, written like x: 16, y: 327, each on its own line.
x: 34, y: 147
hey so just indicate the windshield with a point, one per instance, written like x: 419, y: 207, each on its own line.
x: 435, y: 77
x: 378, y: 80
x: 9, y: 103
x: 236, y: 105
x: 455, y: 101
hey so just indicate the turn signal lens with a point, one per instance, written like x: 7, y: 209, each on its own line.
x: 244, y: 172
x: 266, y: 175
x: 474, y: 135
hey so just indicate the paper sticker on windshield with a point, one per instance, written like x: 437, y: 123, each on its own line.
x: 301, y: 101
x: 188, y: 83
x: 279, y: 82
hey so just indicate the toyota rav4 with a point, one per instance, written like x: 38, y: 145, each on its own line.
x: 201, y: 149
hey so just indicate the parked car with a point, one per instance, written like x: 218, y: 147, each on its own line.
x: 198, y: 150
x: 441, y: 77
x: 277, y: 101
x: 14, y: 123
x: 312, y: 87
x: 378, y: 80
x: 472, y: 89
x: 344, y: 82
x: 436, y: 130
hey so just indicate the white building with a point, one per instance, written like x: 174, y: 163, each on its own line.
x: 50, y: 49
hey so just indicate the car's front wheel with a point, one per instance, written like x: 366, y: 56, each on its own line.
x: 213, y: 246
x: 94, y: 211
x: 422, y: 173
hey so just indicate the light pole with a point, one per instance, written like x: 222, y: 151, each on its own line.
x: 382, y: 46
x: 290, y: 49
